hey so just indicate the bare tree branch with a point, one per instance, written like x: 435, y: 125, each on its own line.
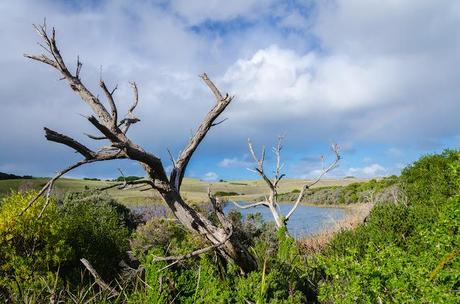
x: 73, y: 80
x: 109, y: 95
x: 260, y: 165
x: 171, y: 157
x: 79, y: 66
x: 178, y: 258
x: 43, y: 58
x: 50, y: 183
x: 126, y: 183
x: 217, y: 206
x: 250, y: 205
x: 178, y: 171
x: 219, y: 122
x: 95, y: 137
x: 97, y: 277
x: 335, y: 148
x: 104, y: 129
x: 130, y: 118
x: 213, y: 88
x: 279, y: 166
x: 68, y: 141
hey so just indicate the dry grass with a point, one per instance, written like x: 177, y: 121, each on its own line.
x: 355, y: 216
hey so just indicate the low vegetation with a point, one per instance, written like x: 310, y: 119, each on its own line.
x: 226, y: 193
x: 373, y: 191
x: 404, y: 251
x: 4, y: 176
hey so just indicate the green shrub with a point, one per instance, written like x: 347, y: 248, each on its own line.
x: 207, y: 279
x: 226, y: 193
x: 29, y: 247
x: 130, y: 178
x: 404, y: 253
x: 95, y: 226
x: 432, y: 177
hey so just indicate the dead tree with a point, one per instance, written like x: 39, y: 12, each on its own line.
x: 271, y: 201
x: 114, y: 129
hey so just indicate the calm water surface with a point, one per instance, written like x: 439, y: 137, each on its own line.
x: 306, y: 220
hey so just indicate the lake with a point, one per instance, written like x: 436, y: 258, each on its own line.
x: 306, y: 220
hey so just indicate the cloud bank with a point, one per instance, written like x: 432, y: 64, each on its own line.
x: 378, y: 77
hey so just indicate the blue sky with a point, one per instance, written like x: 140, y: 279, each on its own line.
x: 380, y: 78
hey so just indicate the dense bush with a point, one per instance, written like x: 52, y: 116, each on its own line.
x: 33, y: 250
x: 29, y: 247
x: 373, y: 191
x: 97, y: 228
x: 226, y: 193
x: 130, y: 178
x: 405, y: 253
x: 432, y: 177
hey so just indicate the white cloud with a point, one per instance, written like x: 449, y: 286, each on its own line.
x: 210, y: 177
x: 376, y: 72
x: 368, y: 171
x: 234, y: 163
x: 285, y: 80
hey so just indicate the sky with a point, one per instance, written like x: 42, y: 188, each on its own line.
x: 380, y: 78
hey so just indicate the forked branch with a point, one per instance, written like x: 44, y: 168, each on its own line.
x: 70, y: 142
x: 260, y: 165
x: 73, y: 80
x: 49, y: 185
x: 271, y: 201
x: 178, y: 171
x: 336, y: 149
x: 250, y: 205
x: 178, y: 258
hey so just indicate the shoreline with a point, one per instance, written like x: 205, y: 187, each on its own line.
x: 355, y: 216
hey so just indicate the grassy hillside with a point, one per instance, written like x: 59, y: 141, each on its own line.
x: 195, y: 191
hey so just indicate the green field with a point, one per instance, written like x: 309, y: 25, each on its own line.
x: 194, y: 190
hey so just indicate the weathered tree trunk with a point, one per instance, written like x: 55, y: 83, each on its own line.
x: 197, y: 223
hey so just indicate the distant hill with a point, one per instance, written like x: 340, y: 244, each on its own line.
x: 13, y: 176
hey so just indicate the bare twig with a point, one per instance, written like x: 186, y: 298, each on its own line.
x: 217, y: 206
x: 260, y: 165
x: 336, y: 149
x: 47, y: 187
x: 109, y: 95
x: 99, y: 281
x: 250, y: 205
x: 195, y: 253
x: 125, y: 184
x: 68, y: 141
x: 178, y: 172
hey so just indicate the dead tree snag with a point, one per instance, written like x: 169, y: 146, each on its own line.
x: 271, y: 201
x: 122, y: 147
